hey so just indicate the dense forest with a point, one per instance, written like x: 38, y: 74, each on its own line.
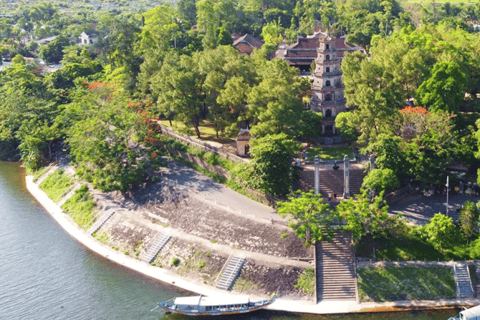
x: 175, y: 61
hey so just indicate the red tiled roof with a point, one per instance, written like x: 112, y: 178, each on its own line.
x: 249, y: 40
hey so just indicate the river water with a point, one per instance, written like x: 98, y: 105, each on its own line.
x: 45, y: 274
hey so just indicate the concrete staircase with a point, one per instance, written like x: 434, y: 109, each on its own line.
x: 155, y: 246
x: 331, y: 181
x: 232, y: 270
x: 335, y: 269
x: 107, y: 215
x: 463, y: 281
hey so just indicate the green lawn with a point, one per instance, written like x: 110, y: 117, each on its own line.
x: 406, y: 283
x: 331, y: 153
x: 56, y: 184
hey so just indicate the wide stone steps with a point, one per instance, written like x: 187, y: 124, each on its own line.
x: 463, y: 281
x: 107, y: 215
x: 331, y: 181
x: 230, y: 273
x: 157, y: 244
x: 335, y: 269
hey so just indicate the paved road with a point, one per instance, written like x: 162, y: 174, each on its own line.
x: 420, y: 210
x: 224, y: 196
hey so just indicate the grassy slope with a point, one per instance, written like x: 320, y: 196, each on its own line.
x: 81, y: 207
x: 405, y: 283
x: 56, y: 184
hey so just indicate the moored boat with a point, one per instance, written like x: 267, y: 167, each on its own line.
x: 468, y: 314
x: 214, y: 306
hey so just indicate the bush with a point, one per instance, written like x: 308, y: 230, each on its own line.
x: 468, y: 219
x: 441, y: 232
x: 175, y: 261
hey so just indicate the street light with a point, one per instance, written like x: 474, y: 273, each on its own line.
x: 447, y: 185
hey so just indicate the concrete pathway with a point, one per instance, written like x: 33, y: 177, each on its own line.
x: 420, y: 210
x: 209, y: 190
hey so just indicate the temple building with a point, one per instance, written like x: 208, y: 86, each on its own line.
x: 303, y: 52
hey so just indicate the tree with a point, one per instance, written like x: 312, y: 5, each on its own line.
x: 308, y: 216
x: 441, y: 232
x: 53, y: 52
x: 445, y: 89
x: 468, y: 219
x: 380, y: 180
x: 270, y: 169
x: 362, y: 216
x: 179, y: 89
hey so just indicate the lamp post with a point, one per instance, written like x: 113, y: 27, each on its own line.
x: 316, y: 161
x: 447, y: 195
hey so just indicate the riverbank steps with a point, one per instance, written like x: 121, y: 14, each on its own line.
x: 201, y: 253
x: 189, y: 245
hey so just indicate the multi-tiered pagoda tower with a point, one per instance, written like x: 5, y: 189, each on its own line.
x: 327, y: 87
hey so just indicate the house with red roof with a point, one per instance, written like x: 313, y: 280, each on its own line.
x: 247, y: 43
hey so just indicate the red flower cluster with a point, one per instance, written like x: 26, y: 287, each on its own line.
x: 414, y: 110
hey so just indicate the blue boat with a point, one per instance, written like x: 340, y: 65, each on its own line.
x: 213, y: 306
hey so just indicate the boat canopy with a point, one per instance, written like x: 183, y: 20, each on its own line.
x: 212, y: 301
x: 470, y: 314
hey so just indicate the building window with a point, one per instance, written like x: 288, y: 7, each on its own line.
x: 327, y: 57
x: 327, y: 69
x: 328, y: 46
x: 328, y: 97
x: 328, y: 113
x: 327, y: 83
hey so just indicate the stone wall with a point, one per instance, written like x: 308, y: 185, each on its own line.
x: 199, y: 144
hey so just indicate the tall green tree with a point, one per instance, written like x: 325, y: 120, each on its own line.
x: 310, y: 218
x: 270, y: 169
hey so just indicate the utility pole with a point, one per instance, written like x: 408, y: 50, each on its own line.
x: 447, y: 195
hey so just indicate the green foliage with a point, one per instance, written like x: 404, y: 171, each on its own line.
x: 362, y: 216
x: 441, y: 232
x: 201, y: 264
x: 53, y: 52
x: 56, y: 184
x: 81, y: 207
x: 306, y: 282
x: 406, y: 283
x: 445, y: 89
x: 380, y: 180
x: 175, y: 261
x: 468, y: 219
x: 271, y: 169
x: 308, y: 216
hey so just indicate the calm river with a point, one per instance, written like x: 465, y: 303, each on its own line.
x: 45, y: 274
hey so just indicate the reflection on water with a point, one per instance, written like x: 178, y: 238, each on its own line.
x: 45, y: 274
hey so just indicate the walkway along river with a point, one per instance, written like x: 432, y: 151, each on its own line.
x: 45, y: 274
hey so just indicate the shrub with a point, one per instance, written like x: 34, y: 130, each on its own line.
x: 441, y: 232
x: 81, y: 207
x: 175, y: 261
x: 468, y: 219
x: 201, y: 264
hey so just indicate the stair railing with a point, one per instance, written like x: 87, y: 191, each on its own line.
x: 469, y: 278
x: 226, y: 263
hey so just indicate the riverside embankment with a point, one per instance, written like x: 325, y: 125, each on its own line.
x: 267, y: 261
